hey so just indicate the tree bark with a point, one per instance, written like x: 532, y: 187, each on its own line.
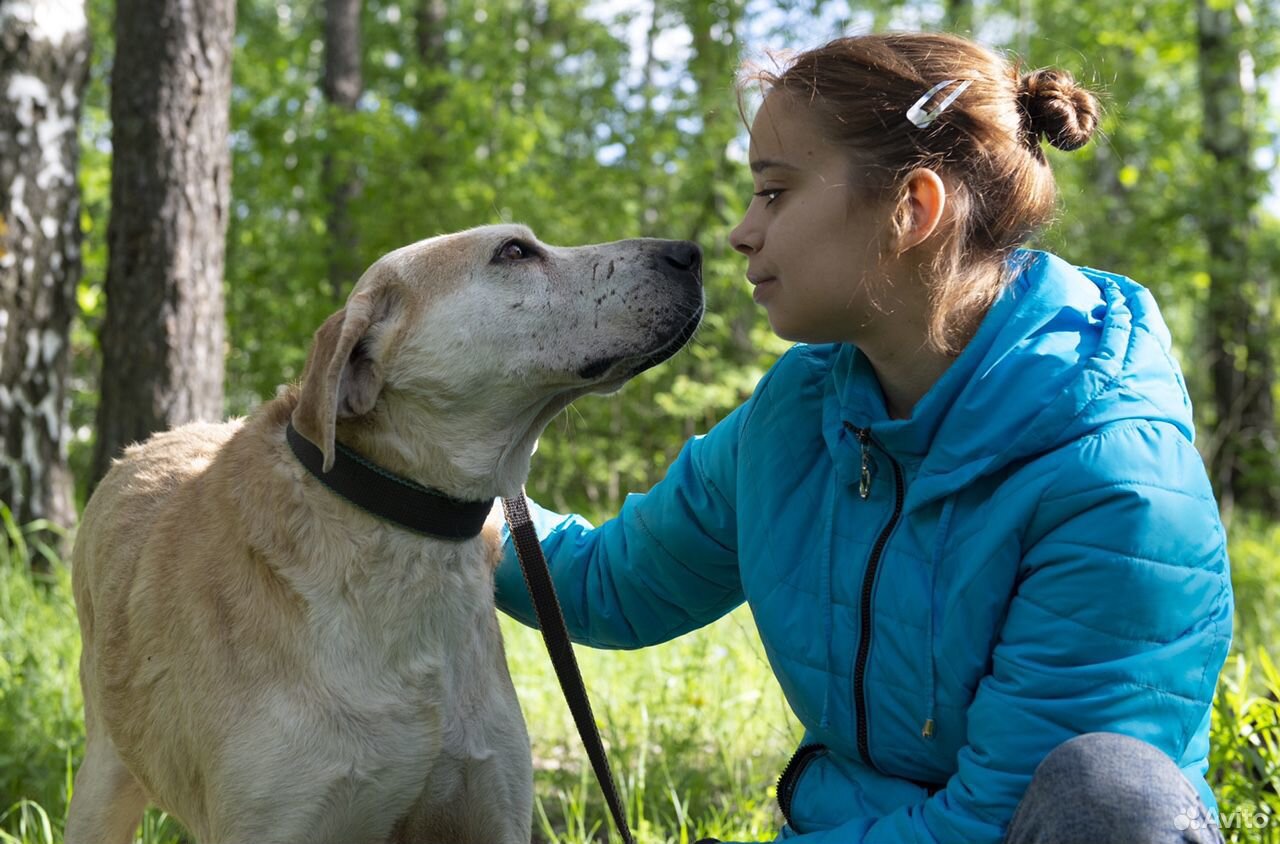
x: 715, y: 30
x: 1243, y: 446
x: 343, y: 84
x: 431, y: 20
x: 432, y: 25
x: 44, y: 59
x: 162, y: 337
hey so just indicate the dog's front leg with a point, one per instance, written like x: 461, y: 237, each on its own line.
x: 485, y: 797
x: 108, y: 802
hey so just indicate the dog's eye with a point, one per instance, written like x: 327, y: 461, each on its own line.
x: 516, y: 250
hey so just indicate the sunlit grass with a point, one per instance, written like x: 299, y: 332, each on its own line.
x: 697, y: 732
x: 697, y: 729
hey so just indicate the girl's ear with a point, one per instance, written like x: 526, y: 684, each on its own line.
x: 919, y: 210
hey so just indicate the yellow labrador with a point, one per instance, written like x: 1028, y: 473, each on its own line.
x: 269, y: 662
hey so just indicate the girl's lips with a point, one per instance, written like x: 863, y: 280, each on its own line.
x: 762, y: 287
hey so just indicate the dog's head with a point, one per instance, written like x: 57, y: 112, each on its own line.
x: 490, y: 326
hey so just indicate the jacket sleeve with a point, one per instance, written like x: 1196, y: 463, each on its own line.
x: 1120, y: 622
x: 667, y: 564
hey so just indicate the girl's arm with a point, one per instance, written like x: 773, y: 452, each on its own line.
x: 667, y: 564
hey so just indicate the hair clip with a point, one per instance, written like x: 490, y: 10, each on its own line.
x: 921, y: 118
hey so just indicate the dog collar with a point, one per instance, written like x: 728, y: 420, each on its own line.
x: 388, y: 496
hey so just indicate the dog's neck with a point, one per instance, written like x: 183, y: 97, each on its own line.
x: 392, y: 497
x: 472, y: 454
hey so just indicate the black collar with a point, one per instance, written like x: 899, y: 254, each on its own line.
x: 391, y: 497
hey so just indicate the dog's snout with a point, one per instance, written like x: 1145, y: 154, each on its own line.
x: 683, y: 255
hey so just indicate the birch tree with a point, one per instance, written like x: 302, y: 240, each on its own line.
x: 162, y: 337
x: 44, y: 53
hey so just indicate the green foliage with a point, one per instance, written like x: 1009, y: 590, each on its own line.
x: 40, y: 710
x: 1245, y: 736
x: 30, y: 822
x: 540, y: 113
x: 95, y: 205
x: 1255, y: 579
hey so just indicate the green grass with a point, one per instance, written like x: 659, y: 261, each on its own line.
x: 697, y: 729
x: 697, y: 732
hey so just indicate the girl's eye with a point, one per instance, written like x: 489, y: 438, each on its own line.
x: 769, y: 193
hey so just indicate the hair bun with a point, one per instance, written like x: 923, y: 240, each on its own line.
x: 1058, y: 109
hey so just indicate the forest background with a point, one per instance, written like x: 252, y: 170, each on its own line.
x: 356, y: 127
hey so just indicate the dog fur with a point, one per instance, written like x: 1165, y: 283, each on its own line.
x: 269, y: 663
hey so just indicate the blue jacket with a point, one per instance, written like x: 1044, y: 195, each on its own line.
x: 1035, y: 554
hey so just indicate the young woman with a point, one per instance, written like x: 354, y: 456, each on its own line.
x: 965, y: 509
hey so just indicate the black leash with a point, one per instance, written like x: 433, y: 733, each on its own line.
x: 556, y: 637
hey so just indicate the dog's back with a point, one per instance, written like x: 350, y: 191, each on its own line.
x: 165, y: 525
x: 139, y: 527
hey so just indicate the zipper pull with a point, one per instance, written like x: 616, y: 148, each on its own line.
x: 864, y: 479
x: 927, y: 732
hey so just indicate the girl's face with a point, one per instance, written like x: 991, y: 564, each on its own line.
x: 812, y: 250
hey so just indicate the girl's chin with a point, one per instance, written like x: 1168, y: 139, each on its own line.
x: 799, y: 331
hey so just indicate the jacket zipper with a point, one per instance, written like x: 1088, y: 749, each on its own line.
x: 800, y: 760
x: 868, y: 583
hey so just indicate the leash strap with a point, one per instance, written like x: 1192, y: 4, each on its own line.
x: 556, y: 636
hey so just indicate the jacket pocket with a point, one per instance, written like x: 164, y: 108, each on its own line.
x: 791, y: 774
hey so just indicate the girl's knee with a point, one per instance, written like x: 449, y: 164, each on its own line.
x: 1095, y: 757
x: 1105, y: 787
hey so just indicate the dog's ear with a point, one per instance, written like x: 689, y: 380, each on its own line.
x: 342, y: 379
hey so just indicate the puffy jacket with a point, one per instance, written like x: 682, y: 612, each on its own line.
x: 1034, y: 554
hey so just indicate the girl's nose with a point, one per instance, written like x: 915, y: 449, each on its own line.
x: 744, y: 239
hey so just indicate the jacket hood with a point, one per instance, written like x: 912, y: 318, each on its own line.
x: 1063, y: 351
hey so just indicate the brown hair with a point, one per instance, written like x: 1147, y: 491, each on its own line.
x: 985, y: 145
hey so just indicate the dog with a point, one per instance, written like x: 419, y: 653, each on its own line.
x: 267, y: 661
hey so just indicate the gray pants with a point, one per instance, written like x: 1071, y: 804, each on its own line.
x: 1105, y: 788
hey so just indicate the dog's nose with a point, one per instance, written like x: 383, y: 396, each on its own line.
x: 684, y: 255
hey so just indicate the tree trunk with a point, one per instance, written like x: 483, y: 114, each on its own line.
x: 432, y: 26
x: 716, y: 39
x: 1243, y: 447
x: 343, y: 84
x: 44, y: 58
x: 162, y: 337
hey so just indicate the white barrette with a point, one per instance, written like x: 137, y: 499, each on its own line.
x: 921, y: 118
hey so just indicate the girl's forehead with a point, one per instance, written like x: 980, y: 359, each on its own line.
x: 783, y: 132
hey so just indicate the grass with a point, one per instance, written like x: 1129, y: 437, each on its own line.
x: 697, y: 729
